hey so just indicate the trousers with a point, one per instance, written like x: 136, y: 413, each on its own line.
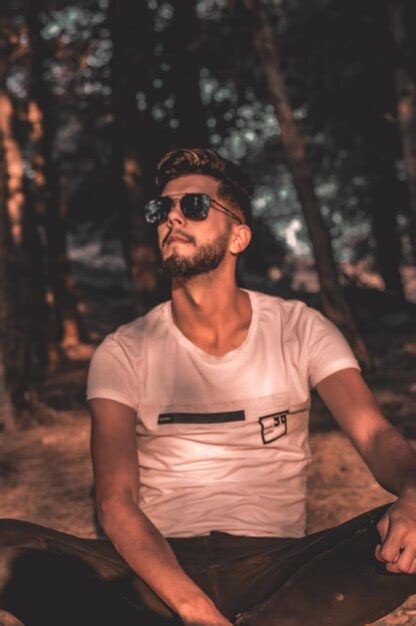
x: 328, y: 578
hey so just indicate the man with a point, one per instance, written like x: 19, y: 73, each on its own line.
x: 200, y: 446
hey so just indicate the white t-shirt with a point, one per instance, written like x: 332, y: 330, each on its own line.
x: 222, y: 441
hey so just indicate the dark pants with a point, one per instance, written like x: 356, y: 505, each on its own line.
x: 329, y: 578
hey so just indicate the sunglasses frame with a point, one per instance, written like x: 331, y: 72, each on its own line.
x: 212, y: 202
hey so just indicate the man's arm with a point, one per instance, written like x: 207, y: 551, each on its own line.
x: 388, y: 455
x: 143, y: 547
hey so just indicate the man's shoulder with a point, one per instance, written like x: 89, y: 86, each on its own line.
x: 284, y: 307
x: 133, y: 333
x: 296, y: 319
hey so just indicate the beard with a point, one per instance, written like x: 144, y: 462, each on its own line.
x: 206, y: 259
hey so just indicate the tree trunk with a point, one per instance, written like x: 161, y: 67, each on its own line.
x: 136, y: 141
x: 123, y: 110
x: 333, y: 299
x: 21, y: 331
x: 68, y: 326
x: 7, y: 414
x: 406, y: 105
x: 382, y: 150
x: 182, y: 54
x: 384, y: 185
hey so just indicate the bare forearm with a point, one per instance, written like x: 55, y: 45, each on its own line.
x: 392, y: 461
x: 148, y: 553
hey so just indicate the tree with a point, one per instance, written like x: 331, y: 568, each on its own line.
x: 135, y: 144
x: 376, y: 102
x: 68, y: 327
x: 6, y: 403
x: 22, y: 285
x: 334, y: 302
x: 181, y: 49
x: 402, y: 17
x: 349, y: 89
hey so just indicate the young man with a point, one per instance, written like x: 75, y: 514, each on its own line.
x: 200, y: 440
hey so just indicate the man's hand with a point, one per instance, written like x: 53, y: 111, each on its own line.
x: 203, y: 612
x: 397, y: 530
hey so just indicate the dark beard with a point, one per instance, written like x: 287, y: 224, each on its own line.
x: 205, y: 260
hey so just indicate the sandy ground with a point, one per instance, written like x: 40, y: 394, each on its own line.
x: 46, y: 474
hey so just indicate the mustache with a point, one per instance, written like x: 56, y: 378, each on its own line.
x: 178, y: 233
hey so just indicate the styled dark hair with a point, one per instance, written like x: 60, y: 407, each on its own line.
x: 234, y: 184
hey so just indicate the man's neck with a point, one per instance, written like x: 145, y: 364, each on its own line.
x: 212, y: 313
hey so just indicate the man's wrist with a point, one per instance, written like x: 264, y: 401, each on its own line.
x: 408, y: 488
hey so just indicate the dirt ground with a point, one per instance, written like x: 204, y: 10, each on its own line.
x: 46, y: 474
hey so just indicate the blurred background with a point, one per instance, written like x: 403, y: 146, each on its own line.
x: 315, y: 99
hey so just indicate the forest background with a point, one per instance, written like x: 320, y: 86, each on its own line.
x: 315, y: 99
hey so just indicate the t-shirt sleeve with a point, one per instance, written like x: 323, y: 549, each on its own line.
x: 327, y: 349
x: 111, y: 374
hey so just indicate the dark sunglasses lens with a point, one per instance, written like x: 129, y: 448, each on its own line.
x: 155, y: 211
x: 195, y: 205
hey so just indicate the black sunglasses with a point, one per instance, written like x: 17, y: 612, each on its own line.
x: 194, y: 206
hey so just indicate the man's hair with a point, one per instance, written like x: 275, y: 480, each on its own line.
x: 234, y: 185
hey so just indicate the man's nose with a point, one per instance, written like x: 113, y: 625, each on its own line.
x: 175, y: 211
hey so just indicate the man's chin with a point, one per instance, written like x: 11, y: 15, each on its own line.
x: 205, y: 260
x: 185, y: 268
x: 179, y: 270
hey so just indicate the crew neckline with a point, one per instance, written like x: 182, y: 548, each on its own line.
x: 213, y: 358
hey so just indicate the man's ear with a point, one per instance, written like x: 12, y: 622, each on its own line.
x: 241, y: 237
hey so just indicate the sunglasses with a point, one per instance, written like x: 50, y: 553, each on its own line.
x: 194, y: 206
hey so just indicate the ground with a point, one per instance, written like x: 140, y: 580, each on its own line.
x: 46, y: 471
